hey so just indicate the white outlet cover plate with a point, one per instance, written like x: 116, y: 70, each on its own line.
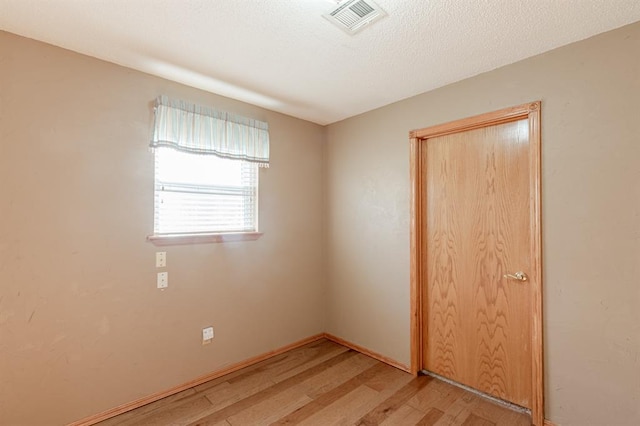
x: 163, y: 279
x: 207, y: 334
x: 161, y: 259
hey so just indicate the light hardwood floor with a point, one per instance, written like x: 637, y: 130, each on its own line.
x: 322, y: 383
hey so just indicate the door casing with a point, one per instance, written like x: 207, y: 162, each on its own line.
x: 418, y: 140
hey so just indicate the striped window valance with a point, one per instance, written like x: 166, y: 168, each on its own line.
x: 201, y: 130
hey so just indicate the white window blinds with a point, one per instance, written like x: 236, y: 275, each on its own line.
x: 204, y: 194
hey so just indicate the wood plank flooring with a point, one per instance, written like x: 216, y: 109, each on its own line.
x: 321, y: 383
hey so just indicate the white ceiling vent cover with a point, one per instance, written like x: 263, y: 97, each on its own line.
x: 353, y: 15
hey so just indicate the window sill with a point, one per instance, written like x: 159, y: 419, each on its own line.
x: 179, y: 239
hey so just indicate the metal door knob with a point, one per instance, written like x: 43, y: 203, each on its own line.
x: 518, y: 276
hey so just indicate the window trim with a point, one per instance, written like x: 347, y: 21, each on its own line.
x: 197, y: 129
x: 203, y: 238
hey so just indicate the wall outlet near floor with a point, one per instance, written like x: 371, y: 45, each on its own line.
x: 161, y: 259
x: 163, y: 279
x: 207, y: 335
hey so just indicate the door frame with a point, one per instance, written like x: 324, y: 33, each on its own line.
x: 418, y: 141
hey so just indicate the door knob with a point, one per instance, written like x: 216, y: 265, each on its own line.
x: 518, y: 276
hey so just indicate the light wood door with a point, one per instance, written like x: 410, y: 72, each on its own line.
x: 476, y: 228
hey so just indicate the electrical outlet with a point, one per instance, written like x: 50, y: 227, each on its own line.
x: 161, y: 259
x: 163, y: 279
x: 207, y: 335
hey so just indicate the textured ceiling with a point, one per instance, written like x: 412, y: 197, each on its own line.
x: 282, y: 55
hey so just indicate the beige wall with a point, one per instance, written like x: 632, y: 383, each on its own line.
x: 82, y: 326
x: 591, y: 212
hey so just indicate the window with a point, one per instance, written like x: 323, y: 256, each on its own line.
x: 206, y: 173
x: 204, y: 194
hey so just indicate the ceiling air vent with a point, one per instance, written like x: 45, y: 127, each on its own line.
x: 354, y: 15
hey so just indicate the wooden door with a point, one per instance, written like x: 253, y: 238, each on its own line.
x: 475, y: 228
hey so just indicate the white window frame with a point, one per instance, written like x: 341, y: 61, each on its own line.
x: 192, y: 199
x: 194, y: 191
